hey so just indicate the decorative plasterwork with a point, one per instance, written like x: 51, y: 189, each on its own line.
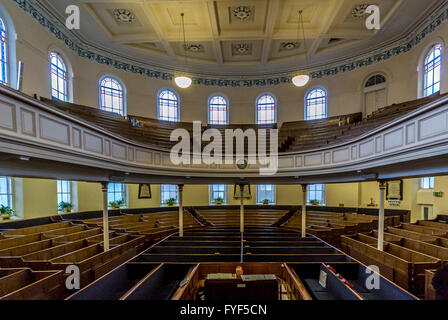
x: 102, y: 57
x: 242, y: 13
x: 359, y: 11
x: 241, y: 49
x: 123, y: 16
x: 289, y: 45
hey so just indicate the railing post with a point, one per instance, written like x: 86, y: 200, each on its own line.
x: 105, y: 216
x: 304, y: 191
x: 181, y: 210
x: 382, y: 185
x: 242, y: 208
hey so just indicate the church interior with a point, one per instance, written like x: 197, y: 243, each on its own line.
x: 312, y: 165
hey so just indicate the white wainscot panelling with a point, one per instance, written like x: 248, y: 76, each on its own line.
x: 432, y: 126
x: 299, y: 161
x: 28, y: 122
x: 76, y: 137
x: 313, y: 160
x: 341, y: 155
x: 93, y: 143
x: 393, y: 139
x: 410, y: 133
x: 367, y: 148
x: 286, y: 162
x: 7, y: 116
x: 118, y: 151
x: 143, y: 156
x: 53, y: 130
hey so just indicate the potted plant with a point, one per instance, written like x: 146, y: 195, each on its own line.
x: 219, y: 201
x: 116, y: 204
x: 266, y: 202
x: 170, y: 202
x: 65, y: 207
x: 6, y: 212
x: 314, y: 202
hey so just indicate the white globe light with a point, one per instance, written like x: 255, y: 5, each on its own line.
x: 300, y: 80
x: 183, y: 81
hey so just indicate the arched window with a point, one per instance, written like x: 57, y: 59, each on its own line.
x: 112, y: 96
x: 266, y: 109
x: 375, y: 93
x: 217, y: 110
x: 3, y: 53
x: 316, y: 104
x: 59, y: 77
x: 432, y: 69
x: 168, y: 104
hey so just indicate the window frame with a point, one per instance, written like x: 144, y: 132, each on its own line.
x: 257, y: 103
x: 60, y: 194
x: 307, y: 106
x: 227, y: 106
x: 323, y: 192
x: 4, y: 52
x: 67, y: 79
x: 124, y: 194
x: 429, y: 180
x: 123, y: 92
x: 212, y: 192
x: 260, y: 197
x: 9, y: 192
x: 159, y: 93
x: 427, y: 63
x: 162, y: 191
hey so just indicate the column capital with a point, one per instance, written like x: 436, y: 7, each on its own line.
x: 104, y: 186
x: 304, y: 186
x: 382, y: 184
x: 181, y: 187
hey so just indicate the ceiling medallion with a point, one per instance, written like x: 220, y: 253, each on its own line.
x: 359, y: 11
x: 194, y: 47
x: 123, y: 16
x: 242, y: 13
x: 289, y: 45
x: 241, y: 49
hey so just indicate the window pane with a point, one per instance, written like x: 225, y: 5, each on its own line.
x: 316, y: 192
x: 111, y: 96
x: 432, y: 71
x: 266, y: 191
x: 58, y: 77
x: 168, y: 191
x: 6, y: 192
x: 3, y: 54
x: 218, y: 191
x: 168, y: 105
x: 266, y: 109
x: 116, y: 192
x: 217, y: 109
x: 316, y: 105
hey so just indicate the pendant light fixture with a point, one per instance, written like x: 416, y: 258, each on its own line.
x: 183, y: 81
x: 301, y: 79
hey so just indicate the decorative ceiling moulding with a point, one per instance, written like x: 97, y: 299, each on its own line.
x: 86, y: 51
x: 123, y: 16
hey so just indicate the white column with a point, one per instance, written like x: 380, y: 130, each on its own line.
x: 381, y: 216
x: 181, y: 211
x: 105, y: 217
x: 304, y: 190
x: 242, y: 208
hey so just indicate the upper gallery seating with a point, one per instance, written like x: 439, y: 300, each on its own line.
x: 150, y: 276
x: 409, y: 250
x: 293, y: 136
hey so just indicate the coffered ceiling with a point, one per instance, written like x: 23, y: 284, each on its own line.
x: 231, y: 36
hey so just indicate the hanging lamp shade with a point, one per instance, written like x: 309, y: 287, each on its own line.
x: 300, y: 80
x: 183, y: 81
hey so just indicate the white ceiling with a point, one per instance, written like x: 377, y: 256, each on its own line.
x: 240, y: 37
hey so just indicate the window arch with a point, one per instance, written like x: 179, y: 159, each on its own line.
x: 266, y: 109
x: 59, y: 77
x: 168, y: 105
x: 218, y: 107
x: 375, y: 80
x: 432, y: 71
x: 4, y: 56
x: 112, y: 95
x: 316, y: 104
